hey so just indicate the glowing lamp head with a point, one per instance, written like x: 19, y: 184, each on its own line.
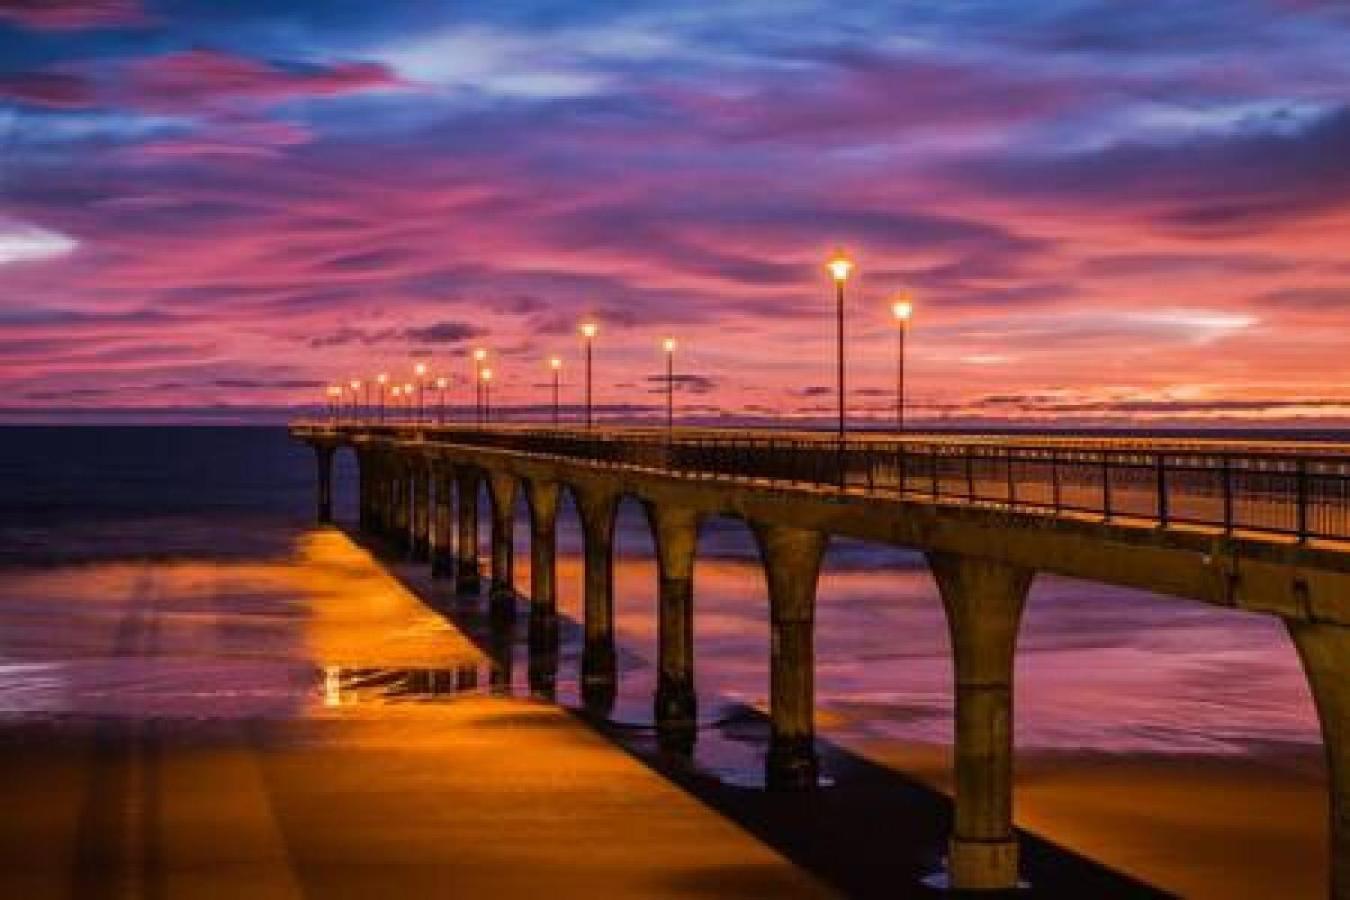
x: 382, y: 377
x: 839, y: 266
x: 555, y: 363
x: 589, y: 330
x: 902, y: 309
x: 397, y: 392
x: 480, y: 354
x: 668, y: 345
x: 442, y: 382
x: 487, y: 374
x: 355, y: 385
x: 420, y: 369
x: 334, y: 390
x: 407, y: 389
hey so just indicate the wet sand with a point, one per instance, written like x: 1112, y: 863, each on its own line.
x: 1199, y: 827
x: 214, y: 729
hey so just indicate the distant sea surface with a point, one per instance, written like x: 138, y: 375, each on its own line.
x: 1134, y: 711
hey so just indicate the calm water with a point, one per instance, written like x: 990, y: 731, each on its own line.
x: 1102, y: 673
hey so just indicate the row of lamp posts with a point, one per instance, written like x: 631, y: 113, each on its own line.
x: 840, y: 267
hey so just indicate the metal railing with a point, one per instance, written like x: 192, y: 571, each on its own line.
x: 1299, y: 495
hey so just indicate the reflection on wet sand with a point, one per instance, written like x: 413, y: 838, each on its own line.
x: 241, y: 730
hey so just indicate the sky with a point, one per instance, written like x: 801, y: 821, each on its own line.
x: 1104, y: 212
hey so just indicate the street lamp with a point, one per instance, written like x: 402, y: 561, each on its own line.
x: 397, y: 393
x: 381, y: 379
x: 902, y: 309
x: 356, y: 399
x: 487, y: 395
x: 441, y: 384
x: 479, y: 357
x: 420, y: 370
x: 669, y: 346
x: 840, y: 266
x: 409, y: 399
x: 556, y: 365
x: 335, y: 402
x: 589, y: 330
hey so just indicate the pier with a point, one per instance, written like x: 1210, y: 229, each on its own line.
x: 1260, y: 527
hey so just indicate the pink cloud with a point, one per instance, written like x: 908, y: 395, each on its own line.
x: 67, y: 15
x: 195, y: 78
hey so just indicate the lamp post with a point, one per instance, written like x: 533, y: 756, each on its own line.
x: 334, y: 402
x: 479, y: 357
x: 902, y: 309
x: 396, y: 394
x: 486, y: 378
x: 589, y: 330
x: 356, y: 399
x: 381, y: 379
x: 669, y: 346
x: 420, y: 370
x: 556, y: 365
x: 840, y: 266
x: 410, y: 399
x: 441, y: 384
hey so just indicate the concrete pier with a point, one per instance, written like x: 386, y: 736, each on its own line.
x: 502, y: 487
x: 542, y: 497
x: 983, y: 601
x: 467, y: 574
x: 1325, y: 652
x: 420, y: 499
x: 982, y: 555
x: 675, y: 536
x: 599, y: 669
x: 791, y: 559
x: 442, y: 522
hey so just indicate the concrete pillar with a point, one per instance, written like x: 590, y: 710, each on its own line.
x: 442, y: 530
x: 1325, y: 652
x: 421, y: 512
x: 502, y: 487
x: 400, y: 501
x: 983, y: 600
x: 467, y: 578
x: 675, y: 536
x: 323, y: 455
x: 791, y: 558
x: 363, y: 503
x: 542, y: 497
x: 599, y: 669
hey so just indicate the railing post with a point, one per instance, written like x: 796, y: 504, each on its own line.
x: 1012, y: 482
x: 1055, y: 488
x: 1106, y: 487
x: 1227, y: 495
x: 1301, y: 486
x: 1162, y: 490
x: 970, y: 474
x: 933, y: 451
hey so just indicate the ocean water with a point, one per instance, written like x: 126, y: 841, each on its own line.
x: 1110, y: 682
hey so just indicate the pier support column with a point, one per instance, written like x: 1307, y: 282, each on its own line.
x: 542, y: 497
x: 502, y: 486
x: 983, y: 600
x: 421, y: 512
x: 363, y: 492
x: 400, y: 498
x: 599, y: 669
x: 675, y: 535
x: 323, y: 455
x: 791, y: 558
x: 442, y: 523
x: 1325, y: 652
x: 467, y: 578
